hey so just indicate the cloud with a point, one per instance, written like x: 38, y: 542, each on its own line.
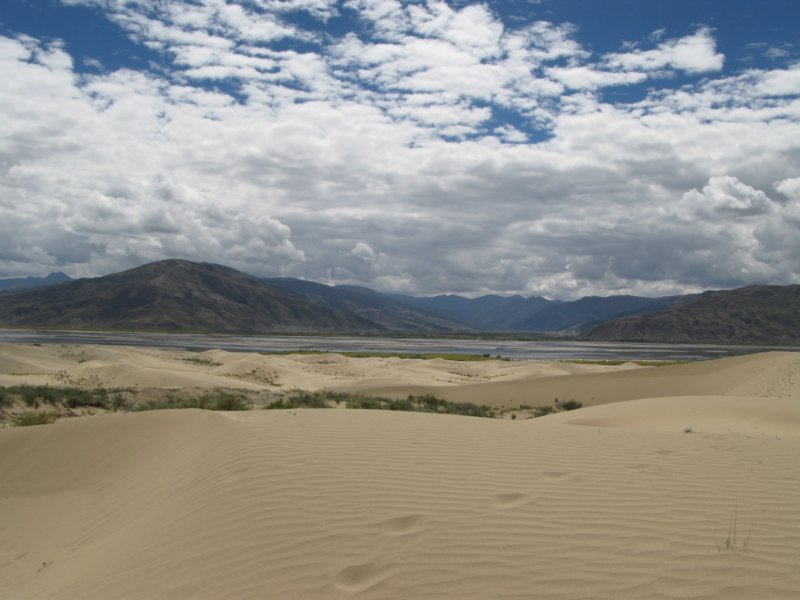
x: 724, y: 197
x: 587, y: 78
x: 695, y: 53
x: 429, y: 148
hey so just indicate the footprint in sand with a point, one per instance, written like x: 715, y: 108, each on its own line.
x: 403, y: 525
x: 357, y: 578
x: 512, y: 500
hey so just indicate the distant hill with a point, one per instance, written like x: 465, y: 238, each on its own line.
x: 29, y: 282
x: 536, y: 314
x: 581, y: 314
x: 176, y: 295
x: 759, y: 314
x: 181, y: 295
x: 384, y: 310
x: 486, y: 313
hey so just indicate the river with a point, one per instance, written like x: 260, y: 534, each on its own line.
x: 547, y: 350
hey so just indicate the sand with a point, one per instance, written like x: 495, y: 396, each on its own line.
x: 690, y: 490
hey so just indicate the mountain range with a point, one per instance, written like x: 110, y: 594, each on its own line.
x: 179, y: 295
x: 29, y: 282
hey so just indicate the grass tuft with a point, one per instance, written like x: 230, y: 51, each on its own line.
x: 730, y: 543
x: 29, y: 418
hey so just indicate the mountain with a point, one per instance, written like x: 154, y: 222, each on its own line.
x: 182, y: 295
x: 29, y: 282
x: 176, y: 295
x: 516, y: 313
x: 386, y: 311
x: 591, y: 310
x: 486, y: 313
x: 759, y: 314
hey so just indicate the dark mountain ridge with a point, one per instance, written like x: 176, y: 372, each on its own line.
x: 179, y: 295
x: 758, y: 314
x: 175, y: 295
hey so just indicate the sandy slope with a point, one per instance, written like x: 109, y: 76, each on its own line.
x: 498, y: 383
x: 372, y: 504
x: 612, y: 501
x: 769, y: 373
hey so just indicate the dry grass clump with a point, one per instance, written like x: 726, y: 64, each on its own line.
x: 423, y: 403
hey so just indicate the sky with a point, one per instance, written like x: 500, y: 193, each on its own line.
x: 559, y: 148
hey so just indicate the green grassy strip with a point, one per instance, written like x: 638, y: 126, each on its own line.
x: 424, y: 403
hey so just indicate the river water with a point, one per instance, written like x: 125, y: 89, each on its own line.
x: 550, y: 350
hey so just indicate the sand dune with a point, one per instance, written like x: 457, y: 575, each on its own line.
x: 503, y: 384
x: 772, y: 374
x: 612, y: 501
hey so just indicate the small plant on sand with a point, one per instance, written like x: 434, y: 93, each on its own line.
x: 307, y: 400
x: 120, y: 402
x: 688, y: 429
x: 29, y: 418
x: 730, y: 544
x: 567, y: 404
x: 227, y: 401
x: 204, y: 362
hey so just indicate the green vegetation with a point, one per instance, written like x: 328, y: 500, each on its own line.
x: 424, y: 403
x: 75, y: 401
x: 205, y: 362
x: 29, y: 418
x: 69, y: 397
x: 567, y: 404
x: 557, y: 406
x: 216, y: 400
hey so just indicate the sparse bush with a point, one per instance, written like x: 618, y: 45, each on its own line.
x: 120, y: 402
x: 423, y: 403
x: 29, y: 418
x: 227, y: 401
x: 567, y: 404
x: 205, y: 362
x: 367, y: 403
x: 307, y: 400
x: 29, y: 396
x: 75, y: 398
x: 406, y: 405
